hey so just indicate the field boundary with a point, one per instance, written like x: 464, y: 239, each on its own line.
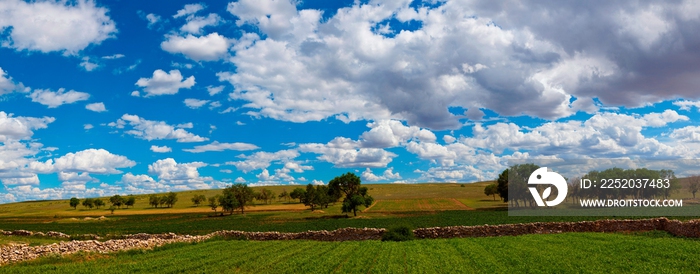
x: 21, y: 252
x: 466, y: 207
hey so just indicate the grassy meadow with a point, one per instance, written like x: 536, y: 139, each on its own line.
x: 651, y: 252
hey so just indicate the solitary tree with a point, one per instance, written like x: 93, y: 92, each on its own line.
x: 355, y: 194
x: 116, y: 200
x: 491, y: 190
x: 153, y: 200
x: 74, y: 202
x: 98, y: 203
x: 214, y: 202
x: 298, y: 193
x: 198, y: 199
x: 130, y: 201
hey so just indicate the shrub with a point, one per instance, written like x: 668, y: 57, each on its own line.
x: 398, y: 234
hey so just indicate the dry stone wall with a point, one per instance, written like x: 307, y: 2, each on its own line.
x: 547, y: 228
x: 20, y: 252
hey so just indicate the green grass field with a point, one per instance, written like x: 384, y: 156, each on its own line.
x: 32, y: 241
x: 652, y: 252
x: 275, y: 221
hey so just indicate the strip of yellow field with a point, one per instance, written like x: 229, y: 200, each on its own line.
x: 141, y: 211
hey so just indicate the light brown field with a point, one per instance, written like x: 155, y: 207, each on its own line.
x: 389, y: 197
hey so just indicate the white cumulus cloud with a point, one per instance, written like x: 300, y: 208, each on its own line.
x: 165, y: 83
x: 211, y: 47
x: 185, y: 174
x: 263, y: 159
x: 195, y: 24
x: 188, y: 10
x: 46, y: 26
x: 161, y: 149
x: 96, y: 107
x: 98, y: 161
x: 154, y: 130
x: 58, y: 98
x: 20, y: 128
x: 195, y: 103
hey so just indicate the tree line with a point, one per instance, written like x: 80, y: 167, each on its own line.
x: 239, y: 196
x: 116, y: 201
x: 512, y: 185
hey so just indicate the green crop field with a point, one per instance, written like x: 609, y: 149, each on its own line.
x: 652, y: 252
x: 417, y: 205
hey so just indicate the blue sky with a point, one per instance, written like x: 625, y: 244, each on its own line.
x: 119, y: 97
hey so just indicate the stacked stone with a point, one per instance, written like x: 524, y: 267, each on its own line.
x: 20, y: 252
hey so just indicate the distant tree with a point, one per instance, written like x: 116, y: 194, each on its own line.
x: 257, y: 196
x: 268, y: 195
x: 284, y: 195
x: 227, y: 201
x: 112, y: 208
x: 117, y: 200
x: 153, y: 200
x: 491, y: 190
x: 98, y: 203
x: 298, y: 193
x: 355, y: 194
x: 323, y: 196
x: 514, y: 183
x: 88, y: 202
x: 129, y: 202
x: 198, y: 199
x: 74, y: 202
x: 171, y: 199
x: 502, y: 187
x: 674, y: 183
x: 162, y: 200
x: 214, y: 202
x: 265, y: 196
x: 316, y: 196
x: 334, y: 194
x: 310, y: 198
x: 241, y: 193
x: 574, y: 186
x: 693, y: 184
